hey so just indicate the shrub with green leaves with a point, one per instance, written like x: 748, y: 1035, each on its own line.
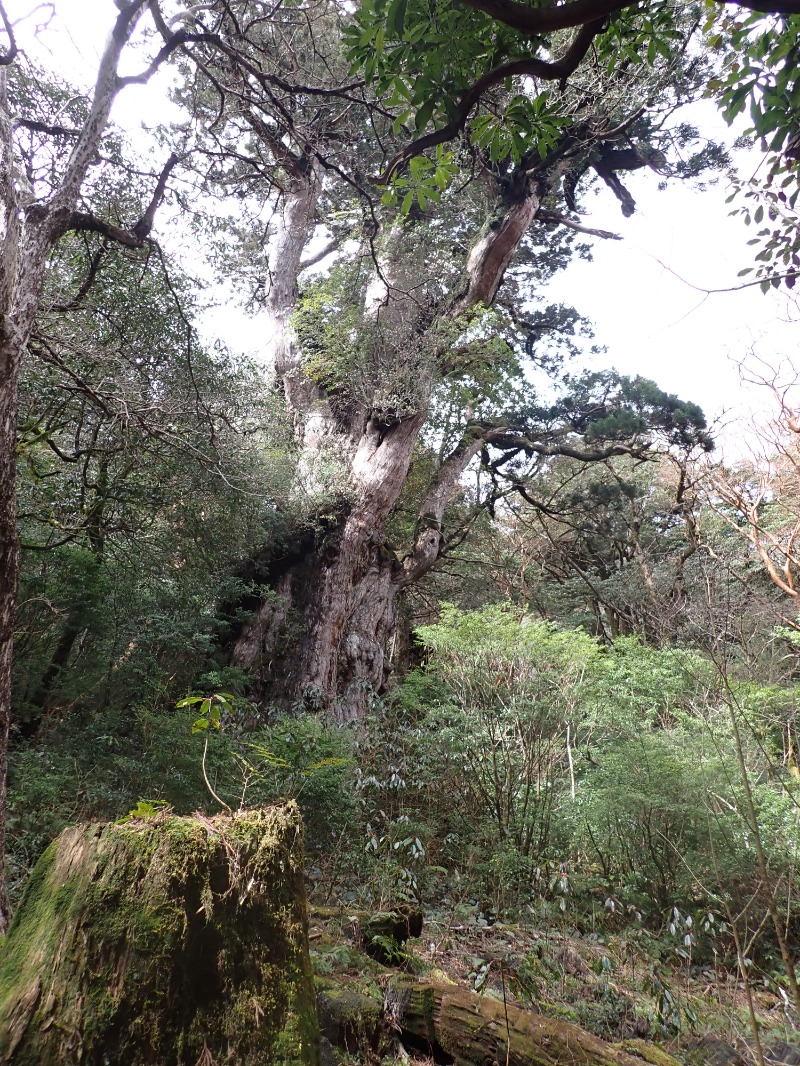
x: 301, y: 758
x: 516, y: 693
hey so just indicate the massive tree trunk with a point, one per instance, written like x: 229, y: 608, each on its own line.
x: 323, y: 635
x: 172, y: 941
x: 342, y: 591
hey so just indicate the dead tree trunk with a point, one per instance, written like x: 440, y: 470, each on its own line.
x: 454, y: 1025
x: 450, y: 1024
x: 170, y: 941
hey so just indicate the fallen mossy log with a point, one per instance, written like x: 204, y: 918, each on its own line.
x: 456, y: 1026
x: 172, y: 941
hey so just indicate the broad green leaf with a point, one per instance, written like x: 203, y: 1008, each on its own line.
x: 396, y: 17
x: 423, y: 115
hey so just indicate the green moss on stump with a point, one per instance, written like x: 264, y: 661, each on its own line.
x: 350, y: 1018
x: 163, y: 942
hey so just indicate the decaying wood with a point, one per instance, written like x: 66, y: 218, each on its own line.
x: 350, y: 1019
x: 170, y: 941
x: 455, y: 1025
x: 384, y: 934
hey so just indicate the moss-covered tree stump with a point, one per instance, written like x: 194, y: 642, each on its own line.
x: 171, y: 941
x: 350, y: 1019
x: 452, y: 1024
x: 384, y: 933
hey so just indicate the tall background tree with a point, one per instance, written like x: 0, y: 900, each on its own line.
x: 421, y: 314
x: 421, y: 349
x: 46, y: 193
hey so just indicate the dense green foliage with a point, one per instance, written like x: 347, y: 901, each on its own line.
x: 525, y: 766
x: 587, y: 706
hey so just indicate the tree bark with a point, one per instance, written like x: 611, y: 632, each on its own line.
x: 454, y: 1025
x: 171, y: 941
x: 491, y: 254
x: 9, y: 575
x: 344, y: 592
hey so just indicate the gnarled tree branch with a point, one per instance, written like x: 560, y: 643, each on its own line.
x: 537, y: 20
x: 13, y: 50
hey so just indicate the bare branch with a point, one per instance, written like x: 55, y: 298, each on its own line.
x: 145, y: 224
x: 331, y: 246
x: 13, y: 50
x: 263, y: 77
x: 725, y: 288
x: 177, y: 39
x: 554, y: 218
x: 87, y: 283
x: 83, y: 222
x: 44, y: 127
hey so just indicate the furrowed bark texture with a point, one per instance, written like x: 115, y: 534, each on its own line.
x: 493, y: 252
x: 336, y: 607
x: 173, y: 941
x: 342, y: 593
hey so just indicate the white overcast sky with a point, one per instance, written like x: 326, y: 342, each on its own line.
x: 635, y: 291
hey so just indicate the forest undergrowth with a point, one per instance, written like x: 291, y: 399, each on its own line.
x: 567, y: 815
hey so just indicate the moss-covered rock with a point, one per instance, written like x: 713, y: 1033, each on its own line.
x: 170, y: 941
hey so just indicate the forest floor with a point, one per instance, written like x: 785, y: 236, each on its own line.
x: 623, y: 986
